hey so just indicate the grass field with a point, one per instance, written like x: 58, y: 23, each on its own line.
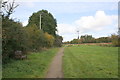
x: 34, y: 67
x: 90, y: 61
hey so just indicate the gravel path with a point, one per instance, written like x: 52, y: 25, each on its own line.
x: 55, y: 70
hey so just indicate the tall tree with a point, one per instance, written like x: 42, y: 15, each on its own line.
x: 48, y: 22
x: 58, y: 41
x: 87, y: 39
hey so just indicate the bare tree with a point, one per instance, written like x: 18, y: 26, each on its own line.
x: 8, y: 8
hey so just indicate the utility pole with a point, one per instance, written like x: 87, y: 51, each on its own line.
x: 40, y: 20
x: 78, y: 36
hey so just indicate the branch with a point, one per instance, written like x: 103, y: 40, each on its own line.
x: 9, y: 8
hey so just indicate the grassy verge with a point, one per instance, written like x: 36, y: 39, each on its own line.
x: 90, y: 61
x: 34, y: 67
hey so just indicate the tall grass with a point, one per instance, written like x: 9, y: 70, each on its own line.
x: 34, y: 67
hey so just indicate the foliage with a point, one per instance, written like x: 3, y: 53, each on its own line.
x: 35, y: 37
x: 29, y: 38
x: 90, y: 39
x: 17, y: 37
x: 13, y: 37
x: 48, y: 23
x: 89, y: 61
x: 58, y: 41
x: 83, y: 39
x: 8, y: 8
x: 87, y: 39
x: 103, y: 40
x: 49, y: 40
x: 75, y: 41
x: 35, y: 66
x: 115, y: 40
x: 38, y: 39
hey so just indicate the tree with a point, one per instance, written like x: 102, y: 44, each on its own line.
x: 58, y: 41
x: 48, y: 23
x: 8, y: 8
x: 35, y: 37
x: 87, y: 39
x: 103, y: 40
x: 74, y: 41
x: 115, y: 40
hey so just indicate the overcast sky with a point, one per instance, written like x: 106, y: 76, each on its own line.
x: 97, y: 18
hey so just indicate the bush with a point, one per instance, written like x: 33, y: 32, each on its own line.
x: 13, y: 38
x: 115, y: 40
x: 58, y: 41
x: 49, y: 40
x: 35, y: 37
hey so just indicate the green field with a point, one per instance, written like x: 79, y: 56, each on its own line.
x: 85, y: 61
x: 34, y: 67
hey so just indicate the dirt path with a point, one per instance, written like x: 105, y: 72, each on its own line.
x: 55, y: 69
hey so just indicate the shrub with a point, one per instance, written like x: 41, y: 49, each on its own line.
x: 49, y: 40
x: 13, y: 38
x: 115, y: 40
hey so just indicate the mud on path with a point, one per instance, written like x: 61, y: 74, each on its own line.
x: 55, y: 70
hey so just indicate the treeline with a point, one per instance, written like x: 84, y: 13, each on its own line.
x: 16, y: 37
x: 114, y: 39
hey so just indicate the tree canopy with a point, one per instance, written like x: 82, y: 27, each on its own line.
x: 48, y: 22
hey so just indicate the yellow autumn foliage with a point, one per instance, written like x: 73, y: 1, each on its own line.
x: 49, y: 39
